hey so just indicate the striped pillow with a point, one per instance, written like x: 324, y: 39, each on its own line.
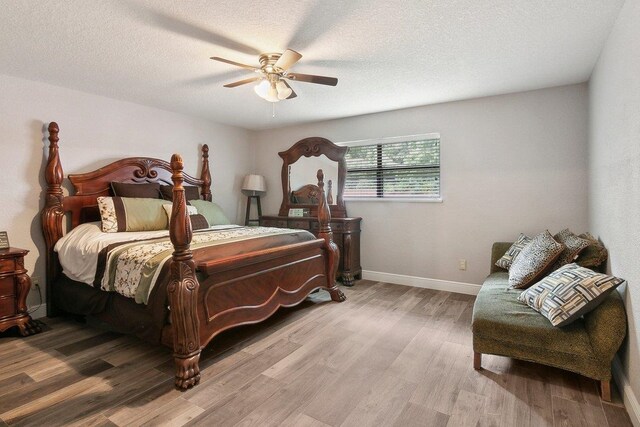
x: 508, y: 257
x: 568, y: 293
x: 132, y: 214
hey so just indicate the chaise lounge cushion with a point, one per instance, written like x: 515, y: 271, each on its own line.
x: 504, y: 326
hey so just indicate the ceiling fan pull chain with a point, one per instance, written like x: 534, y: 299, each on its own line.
x: 273, y: 110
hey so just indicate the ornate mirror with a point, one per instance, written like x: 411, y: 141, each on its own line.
x: 300, y: 164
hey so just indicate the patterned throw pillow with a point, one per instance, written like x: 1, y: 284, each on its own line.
x: 573, y: 246
x: 131, y: 214
x: 568, y: 293
x: 594, y: 255
x: 534, y: 260
x: 507, y: 259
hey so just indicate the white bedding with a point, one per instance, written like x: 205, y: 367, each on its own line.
x: 78, y: 250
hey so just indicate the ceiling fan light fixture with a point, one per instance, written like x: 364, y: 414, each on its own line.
x: 283, y: 91
x: 274, y: 68
x: 262, y: 88
x: 272, y: 94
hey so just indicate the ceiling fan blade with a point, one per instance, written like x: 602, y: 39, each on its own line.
x: 293, y: 93
x: 242, y: 82
x: 237, y: 64
x: 288, y: 58
x: 308, y: 78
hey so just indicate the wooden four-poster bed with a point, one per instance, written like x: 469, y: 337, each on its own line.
x: 199, y: 296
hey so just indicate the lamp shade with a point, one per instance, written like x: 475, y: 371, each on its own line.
x: 254, y: 183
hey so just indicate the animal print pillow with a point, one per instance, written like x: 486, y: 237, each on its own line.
x: 573, y: 246
x: 534, y: 260
x: 593, y: 255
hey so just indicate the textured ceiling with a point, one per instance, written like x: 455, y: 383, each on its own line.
x: 387, y: 54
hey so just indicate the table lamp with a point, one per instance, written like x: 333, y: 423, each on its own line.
x: 253, y: 186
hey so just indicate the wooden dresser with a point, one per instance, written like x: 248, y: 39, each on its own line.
x: 346, y: 234
x: 14, y: 288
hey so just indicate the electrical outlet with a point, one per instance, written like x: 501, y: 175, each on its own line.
x: 35, y: 281
x: 462, y: 264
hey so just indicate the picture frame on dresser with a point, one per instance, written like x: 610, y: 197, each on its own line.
x: 4, y: 240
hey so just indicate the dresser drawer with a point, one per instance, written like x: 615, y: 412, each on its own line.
x: 268, y: 222
x: 337, y: 226
x: 7, y: 286
x: 7, y: 307
x: 7, y: 265
x: 299, y: 223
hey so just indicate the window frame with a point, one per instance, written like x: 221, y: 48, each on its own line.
x: 391, y: 140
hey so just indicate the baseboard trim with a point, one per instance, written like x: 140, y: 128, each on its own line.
x: 422, y: 282
x: 628, y: 396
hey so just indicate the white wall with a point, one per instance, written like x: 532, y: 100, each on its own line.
x: 510, y: 164
x: 94, y: 131
x: 614, y: 171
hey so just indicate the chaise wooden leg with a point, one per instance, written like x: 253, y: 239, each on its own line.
x: 477, y: 360
x: 605, y: 390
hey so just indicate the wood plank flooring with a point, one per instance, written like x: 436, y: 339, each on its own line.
x: 389, y: 356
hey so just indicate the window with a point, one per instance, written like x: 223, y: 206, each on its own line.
x: 394, y: 168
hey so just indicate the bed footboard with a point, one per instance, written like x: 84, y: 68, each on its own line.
x: 238, y: 290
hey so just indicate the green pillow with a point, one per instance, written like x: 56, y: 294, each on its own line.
x: 211, y: 212
x: 132, y: 214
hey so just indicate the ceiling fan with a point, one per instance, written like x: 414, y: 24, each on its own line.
x: 273, y: 74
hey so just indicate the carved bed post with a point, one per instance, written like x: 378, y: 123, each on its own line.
x: 205, y: 176
x: 183, y: 288
x: 52, y: 213
x: 324, y: 219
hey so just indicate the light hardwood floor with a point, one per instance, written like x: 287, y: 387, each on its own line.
x: 390, y: 355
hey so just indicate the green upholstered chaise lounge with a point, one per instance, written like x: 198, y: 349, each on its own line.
x: 506, y: 327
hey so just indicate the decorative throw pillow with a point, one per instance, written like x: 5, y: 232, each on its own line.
x: 168, y: 208
x: 508, y: 257
x: 211, y: 211
x: 593, y: 255
x: 568, y: 293
x: 131, y: 214
x: 198, y: 222
x: 147, y: 191
x: 534, y: 260
x: 191, y: 192
x: 573, y: 246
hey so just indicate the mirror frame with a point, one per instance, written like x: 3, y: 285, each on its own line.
x: 314, y: 146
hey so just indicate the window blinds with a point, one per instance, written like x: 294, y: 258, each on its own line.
x: 407, y: 169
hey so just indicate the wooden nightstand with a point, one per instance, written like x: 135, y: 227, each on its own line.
x: 14, y: 288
